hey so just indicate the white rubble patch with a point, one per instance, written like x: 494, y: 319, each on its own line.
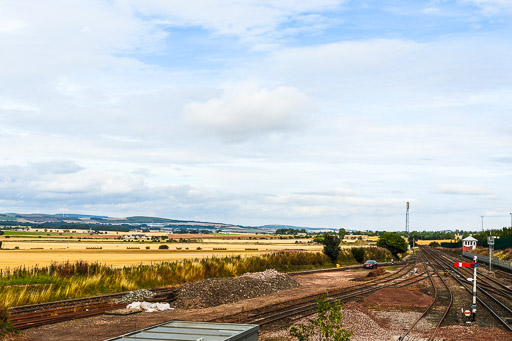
x: 149, y: 307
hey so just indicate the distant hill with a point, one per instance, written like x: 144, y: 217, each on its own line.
x: 60, y: 220
x: 10, y: 219
x: 275, y: 227
x: 66, y: 215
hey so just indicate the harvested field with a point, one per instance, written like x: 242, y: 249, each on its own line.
x: 117, y: 254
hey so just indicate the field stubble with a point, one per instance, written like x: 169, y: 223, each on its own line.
x: 43, y: 252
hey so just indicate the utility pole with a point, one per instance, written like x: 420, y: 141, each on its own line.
x: 482, y: 222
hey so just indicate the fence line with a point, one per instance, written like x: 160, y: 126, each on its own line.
x: 496, y: 262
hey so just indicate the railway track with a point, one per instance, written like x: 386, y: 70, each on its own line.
x: 499, y: 308
x: 487, y: 280
x: 35, y: 315
x: 440, y: 306
x: 285, y: 313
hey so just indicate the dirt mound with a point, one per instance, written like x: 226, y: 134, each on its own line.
x: 397, y: 297
x: 376, y: 273
x: 213, y: 292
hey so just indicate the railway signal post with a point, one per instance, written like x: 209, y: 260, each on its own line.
x: 473, y: 265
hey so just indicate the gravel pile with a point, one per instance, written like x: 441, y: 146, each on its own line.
x: 269, y: 274
x: 355, y: 319
x: 217, y: 291
x: 135, y: 296
x: 364, y: 327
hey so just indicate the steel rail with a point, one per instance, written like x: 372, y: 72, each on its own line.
x: 433, y: 333
x: 470, y: 291
x: 314, y: 298
x: 43, y: 314
x: 296, y: 310
x: 39, y: 314
x: 427, y: 263
x: 506, y: 289
x: 310, y: 306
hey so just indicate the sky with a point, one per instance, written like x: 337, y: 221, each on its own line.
x: 326, y: 113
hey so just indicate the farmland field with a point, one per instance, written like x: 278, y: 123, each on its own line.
x: 43, y: 251
x: 38, y: 247
x: 426, y: 242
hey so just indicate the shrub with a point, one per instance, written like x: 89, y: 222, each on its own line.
x: 163, y: 247
x: 434, y: 244
x: 327, y: 324
x: 358, y: 253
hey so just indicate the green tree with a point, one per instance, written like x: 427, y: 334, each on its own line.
x: 393, y: 242
x: 332, y: 246
x: 328, y: 323
x: 341, y: 233
x: 434, y: 244
x: 412, y: 240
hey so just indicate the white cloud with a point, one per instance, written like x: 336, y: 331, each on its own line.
x: 461, y: 190
x: 431, y: 10
x: 124, y: 87
x: 253, y: 19
x: 491, y: 7
x: 244, y: 110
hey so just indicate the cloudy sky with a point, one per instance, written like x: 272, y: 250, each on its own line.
x: 325, y: 113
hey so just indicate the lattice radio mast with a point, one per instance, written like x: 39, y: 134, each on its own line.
x: 407, y: 221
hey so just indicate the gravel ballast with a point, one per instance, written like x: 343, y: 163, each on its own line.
x: 217, y: 291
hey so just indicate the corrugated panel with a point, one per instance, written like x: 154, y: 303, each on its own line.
x: 193, y: 331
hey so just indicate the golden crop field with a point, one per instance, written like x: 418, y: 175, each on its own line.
x: 426, y: 242
x: 44, y: 251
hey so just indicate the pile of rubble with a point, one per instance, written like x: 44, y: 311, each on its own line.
x: 213, y: 292
x: 136, y: 295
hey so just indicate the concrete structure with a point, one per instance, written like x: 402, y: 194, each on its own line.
x: 194, y: 331
x: 468, y: 244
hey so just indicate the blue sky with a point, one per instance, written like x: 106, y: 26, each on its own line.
x: 322, y: 114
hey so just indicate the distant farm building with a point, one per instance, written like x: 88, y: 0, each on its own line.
x: 136, y: 236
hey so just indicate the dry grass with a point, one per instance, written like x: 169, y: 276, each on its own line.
x: 71, y: 280
x: 117, y: 254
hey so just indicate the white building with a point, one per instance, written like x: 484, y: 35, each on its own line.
x: 468, y: 243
